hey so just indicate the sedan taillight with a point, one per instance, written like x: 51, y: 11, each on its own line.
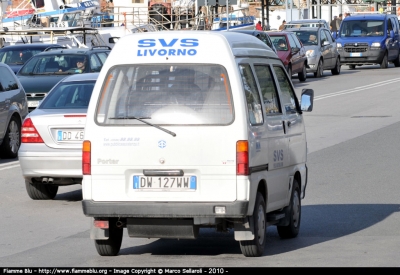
x: 29, y: 134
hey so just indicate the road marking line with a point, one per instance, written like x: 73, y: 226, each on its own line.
x: 358, y: 89
x: 9, y: 167
x: 9, y: 163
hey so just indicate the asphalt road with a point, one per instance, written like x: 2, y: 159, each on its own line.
x: 350, y: 215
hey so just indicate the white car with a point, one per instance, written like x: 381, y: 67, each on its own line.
x: 51, y: 138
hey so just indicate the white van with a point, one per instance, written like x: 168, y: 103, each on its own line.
x: 193, y: 129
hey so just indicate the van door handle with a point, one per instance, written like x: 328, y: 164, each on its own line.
x: 284, y: 127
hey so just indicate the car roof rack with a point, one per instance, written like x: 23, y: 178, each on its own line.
x: 54, y: 48
x: 94, y: 47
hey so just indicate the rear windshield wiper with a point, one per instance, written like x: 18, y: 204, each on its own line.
x: 141, y: 119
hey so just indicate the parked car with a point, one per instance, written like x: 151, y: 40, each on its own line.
x: 321, y: 50
x: 365, y: 39
x: 304, y: 23
x: 16, y: 55
x: 52, y: 135
x: 263, y: 36
x: 47, y: 68
x: 292, y: 53
x: 13, y: 109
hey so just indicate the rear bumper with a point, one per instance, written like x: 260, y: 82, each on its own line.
x: 50, y: 163
x: 237, y: 209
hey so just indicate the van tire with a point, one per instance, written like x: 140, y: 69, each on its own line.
x: 12, y: 140
x: 320, y: 69
x: 112, y: 245
x: 255, y: 247
x: 396, y: 62
x: 292, y: 229
x: 385, y: 62
x: 303, y: 74
x: 40, y: 191
x: 336, y: 70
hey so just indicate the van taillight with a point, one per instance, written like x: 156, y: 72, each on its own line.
x: 86, y: 158
x: 29, y: 134
x: 242, y: 158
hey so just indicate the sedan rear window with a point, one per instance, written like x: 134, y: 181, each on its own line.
x: 69, y: 95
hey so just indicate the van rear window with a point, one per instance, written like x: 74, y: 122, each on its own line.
x: 174, y: 94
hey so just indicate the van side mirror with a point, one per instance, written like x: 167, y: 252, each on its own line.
x: 392, y: 34
x: 325, y: 43
x: 307, y: 100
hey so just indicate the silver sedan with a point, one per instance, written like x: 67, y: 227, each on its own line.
x: 51, y: 138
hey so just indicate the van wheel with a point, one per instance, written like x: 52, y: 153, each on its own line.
x: 320, y: 69
x: 39, y: 191
x: 292, y: 229
x: 255, y: 247
x: 336, y: 70
x: 303, y: 74
x: 112, y: 245
x: 396, y: 62
x: 12, y: 140
x: 385, y: 62
x: 352, y: 67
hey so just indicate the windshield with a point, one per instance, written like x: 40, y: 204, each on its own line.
x: 51, y: 64
x: 176, y: 94
x: 356, y: 28
x: 69, y: 95
x: 16, y: 56
x: 308, y: 38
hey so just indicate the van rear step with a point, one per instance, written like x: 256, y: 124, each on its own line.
x: 162, y: 228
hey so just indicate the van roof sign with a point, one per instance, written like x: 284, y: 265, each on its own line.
x: 185, y: 46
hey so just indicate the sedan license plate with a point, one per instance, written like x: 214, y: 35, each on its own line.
x: 355, y: 54
x: 186, y: 183
x: 70, y: 135
x: 33, y: 103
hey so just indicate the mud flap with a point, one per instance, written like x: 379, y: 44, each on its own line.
x: 243, y: 231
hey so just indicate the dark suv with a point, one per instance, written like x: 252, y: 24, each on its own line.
x: 47, y: 68
x: 16, y: 55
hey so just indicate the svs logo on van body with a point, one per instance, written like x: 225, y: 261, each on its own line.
x: 278, y: 158
x: 278, y: 155
x: 182, y: 47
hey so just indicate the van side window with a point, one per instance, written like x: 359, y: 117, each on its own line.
x: 252, y: 96
x: 268, y: 90
x: 288, y: 97
x: 389, y: 26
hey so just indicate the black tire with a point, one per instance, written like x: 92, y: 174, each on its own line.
x: 39, y: 191
x: 255, y: 247
x: 336, y: 70
x: 292, y: 229
x: 289, y: 71
x: 303, y: 74
x: 385, y: 62
x: 320, y: 69
x: 352, y: 67
x: 12, y: 139
x: 112, y: 245
x: 396, y: 62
